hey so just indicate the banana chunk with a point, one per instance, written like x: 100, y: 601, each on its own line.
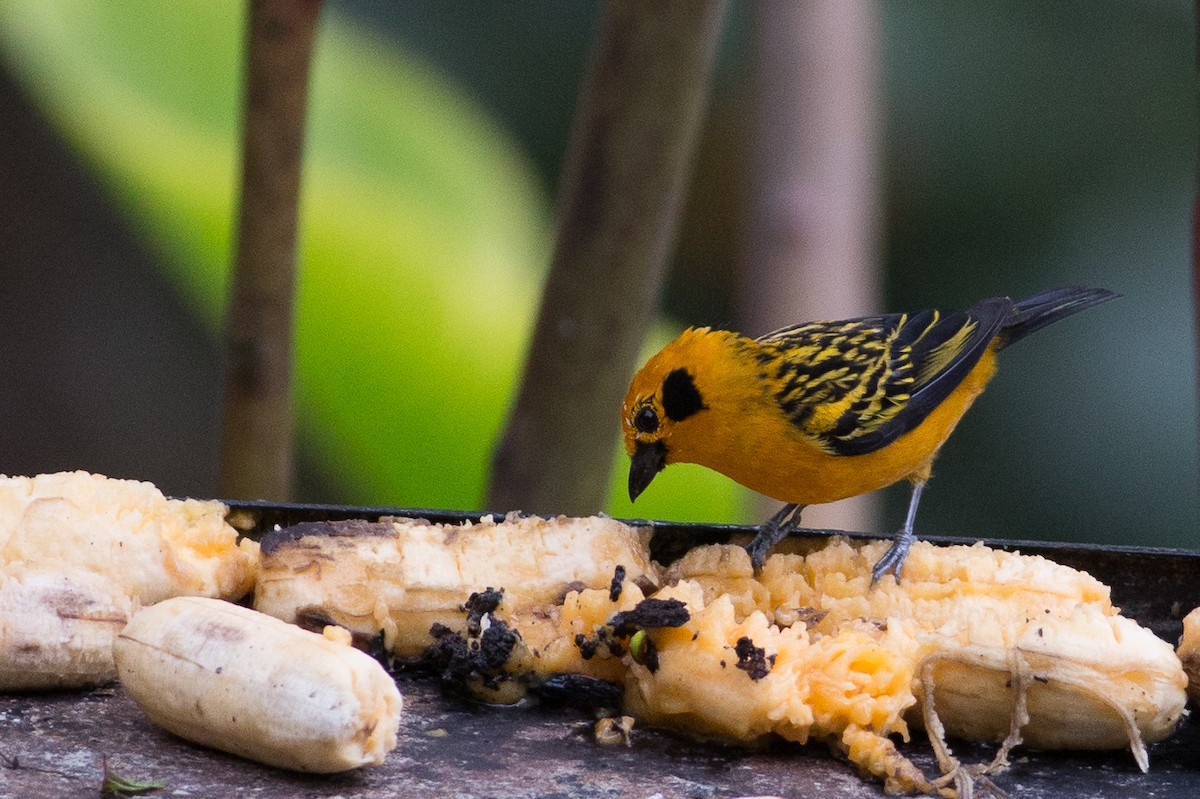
x: 57, y: 628
x: 1189, y: 653
x: 403, y: 576
x: 974, y: 642
x: 243, y: 682
x: 151, y: 546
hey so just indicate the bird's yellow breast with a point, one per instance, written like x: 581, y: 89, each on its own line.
x: 743, y: 435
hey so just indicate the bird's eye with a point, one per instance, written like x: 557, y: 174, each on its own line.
x: 646, y: 420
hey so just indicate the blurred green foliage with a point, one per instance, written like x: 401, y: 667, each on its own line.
x: 422, y: 230
x: 1027, y: 145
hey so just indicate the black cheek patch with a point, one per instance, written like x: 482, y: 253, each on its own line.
x: 680, y: 397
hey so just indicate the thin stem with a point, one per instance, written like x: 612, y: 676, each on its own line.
x: 257, y: 434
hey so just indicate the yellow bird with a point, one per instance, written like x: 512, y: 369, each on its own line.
x: 822, y: 411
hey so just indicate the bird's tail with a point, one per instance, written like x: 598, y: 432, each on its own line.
x: 1031, y: 315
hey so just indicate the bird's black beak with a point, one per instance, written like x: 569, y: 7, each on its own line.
x: 648, y: 460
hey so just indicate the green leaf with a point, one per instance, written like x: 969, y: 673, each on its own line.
x: 117, y: 786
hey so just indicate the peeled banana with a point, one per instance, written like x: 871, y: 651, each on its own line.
x: 974, y: 642
x: 1189, y: 653
x: 57, y: 628
x: 243, y: 682
x: 402, y: 576
x: 151, y: 546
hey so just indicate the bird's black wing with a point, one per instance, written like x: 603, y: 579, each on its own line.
x: 857, y: 385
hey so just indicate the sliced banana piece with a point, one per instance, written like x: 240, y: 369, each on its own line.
x: 243, y: 682
x: 402, y: 576
x: 57, y: 628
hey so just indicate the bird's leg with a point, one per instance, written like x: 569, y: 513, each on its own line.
x: 893, y: 560
x: 772, y: 531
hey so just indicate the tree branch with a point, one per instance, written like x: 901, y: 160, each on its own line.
x: 619, y: 207
x: 257, y: 434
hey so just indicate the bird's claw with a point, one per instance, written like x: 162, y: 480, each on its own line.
x: 771, y: 532
x: 893, y: 560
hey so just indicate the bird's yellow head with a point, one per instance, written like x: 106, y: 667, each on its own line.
x: 666, y: 402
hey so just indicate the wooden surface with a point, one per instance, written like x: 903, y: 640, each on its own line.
x: 450, y: 749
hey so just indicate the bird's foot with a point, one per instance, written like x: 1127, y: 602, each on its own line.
x: 771, y: 532
x: 893, y: 560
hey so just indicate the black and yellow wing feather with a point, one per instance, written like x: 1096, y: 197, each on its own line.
x: 857, y: 385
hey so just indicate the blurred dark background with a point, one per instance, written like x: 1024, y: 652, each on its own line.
x: 1023, y: 146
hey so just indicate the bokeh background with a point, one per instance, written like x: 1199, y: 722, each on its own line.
x: 1022, y: 146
